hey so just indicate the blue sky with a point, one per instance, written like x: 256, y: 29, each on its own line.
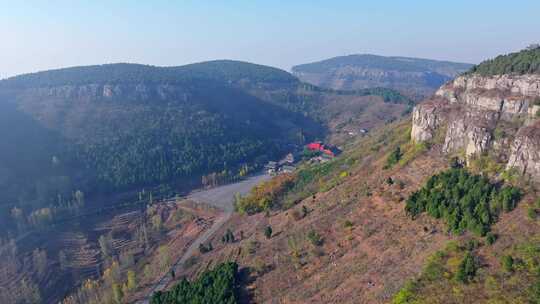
x: 39, y: 35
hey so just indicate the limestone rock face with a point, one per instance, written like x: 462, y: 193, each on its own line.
x: 426, y: 120
x: 92, y: 92
x: 497, y: 114
x: 525, y: 85
x: 525, y: 152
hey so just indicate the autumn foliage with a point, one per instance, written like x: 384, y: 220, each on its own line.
x: 265, y: 195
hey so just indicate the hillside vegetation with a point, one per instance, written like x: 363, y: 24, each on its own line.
x: 523, y: 62
x: 63, y: 133
x: 389, y: 220
x: 404, y: 64
x: 219, y: 70
x: 218, y: 285
x: 464, y: 201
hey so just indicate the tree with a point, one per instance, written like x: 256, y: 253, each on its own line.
x: 62, y: 258
x: 148, y: 271
x: 218, y: 285
x: 105, y: 244
x: 467, y: 269
x: 491, y: 238
x: 39, y: 259
x: 118, y: 294
x: 268, y: 232
x: 163, y: 257
x: 30, y: 292
x: 465, y: 201
x: 131, y: 280
x: 126, y: 259
x: 394, y: 157
x: 157, y: 222
x: 228, y: 237
x: 205, y: 248
x: 507, y: 263
x: 531, y: 213
x: 18, y: 215
x: 315, y: 238
x: 141, y: 235
x: 79, y: 198
x: 305, y: 211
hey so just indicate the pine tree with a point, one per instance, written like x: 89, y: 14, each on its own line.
x: 467, y: 269
x: 268, y: 232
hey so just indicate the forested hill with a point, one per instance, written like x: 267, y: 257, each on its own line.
x: 225, y: 71
x: 109, y: 128
x: 414, y: 76
x: 523, y: 62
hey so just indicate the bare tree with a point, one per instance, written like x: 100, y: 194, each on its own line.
x: 39, y: 259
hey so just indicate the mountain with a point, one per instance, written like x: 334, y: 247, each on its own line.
x: 414, y: 77
x: 114, y: 127
x: 442, y: 207
x: 82, y: 145
x: 121, y: 127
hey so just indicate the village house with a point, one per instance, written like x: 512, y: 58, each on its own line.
x: 271, y: 168
x: 325, y: 149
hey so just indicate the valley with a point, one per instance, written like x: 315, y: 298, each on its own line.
x: 104, y: 144
x: 270, y: 152
x: 353, y: 230
x: 141, y: 183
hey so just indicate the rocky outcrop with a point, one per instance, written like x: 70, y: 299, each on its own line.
x: 524, y: 85
x: 525, y: 152
x: 113, y: 91
x: 426, y: 119
x: 481, y: 113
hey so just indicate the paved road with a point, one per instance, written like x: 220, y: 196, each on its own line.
x: 221, y: 197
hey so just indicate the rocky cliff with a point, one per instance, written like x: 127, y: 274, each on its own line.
x: 415, y: 77
x: 478, y: 114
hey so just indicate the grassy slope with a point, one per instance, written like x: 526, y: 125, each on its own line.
x: 350, y: 257
x: 370, y: 247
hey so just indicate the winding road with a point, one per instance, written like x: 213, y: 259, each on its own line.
x: 221, y: 197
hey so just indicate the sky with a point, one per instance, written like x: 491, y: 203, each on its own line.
x: 42, y: 35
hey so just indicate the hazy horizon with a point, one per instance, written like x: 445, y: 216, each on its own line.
x: 39, y: 36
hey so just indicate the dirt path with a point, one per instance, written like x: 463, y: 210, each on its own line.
x: 221, y: 197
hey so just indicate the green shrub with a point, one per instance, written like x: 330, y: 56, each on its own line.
x: 268, y: 232
x: 491, y: 238
x: 406, y: 295
x: 394, y: 157
x: 531, y: 213
x: 507, y: 263
x: 205, y: 248
x: 434, y: 269
x: 315, y: 238
x: 228, y: 237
